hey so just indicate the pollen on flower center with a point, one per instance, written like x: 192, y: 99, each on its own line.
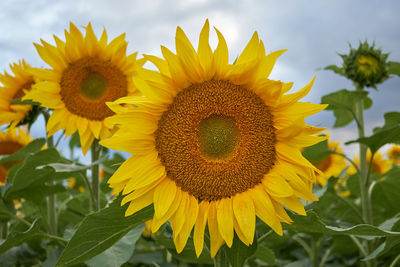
x: 216, y: 140
x: 93, y: 86
x: 218, y: 136
x: 88, y: 83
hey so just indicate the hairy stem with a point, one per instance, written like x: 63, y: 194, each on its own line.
x: 51, y: 200
x: 221, y: 260
x: 95, y: 150
x: 363, y: 173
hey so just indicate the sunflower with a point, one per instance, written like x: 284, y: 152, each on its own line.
x: 86, y: 73
x: 10, y: 142
x: 379, y: 164
x: 331, y: 165
x: 214, y: 143
x: 14, y: 87
x: 394, y: 154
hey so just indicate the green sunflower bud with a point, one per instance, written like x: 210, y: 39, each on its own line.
x: 366, y: 65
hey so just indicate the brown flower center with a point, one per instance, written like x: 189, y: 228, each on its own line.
x: 216, y: 140
x: 88, y: 83
x: 26, y: 86
x: 325, y: 163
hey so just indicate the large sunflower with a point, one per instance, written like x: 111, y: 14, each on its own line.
x: 14, y: 87
x: 10, y: 142
x: 331, y: 165
x: 214, y: 143
x: 85, y: 74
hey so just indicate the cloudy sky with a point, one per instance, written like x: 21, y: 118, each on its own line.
x: 313, y: 32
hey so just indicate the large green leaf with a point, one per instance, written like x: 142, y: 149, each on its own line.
x: 120, y: 252
x: 312, y: 223
x: 239, y: 252
x: 394, y: 68
x: 265, y: 254
x: 30, y: 177
x: 343, y: 104
x: 17, y: 238
x: 391, y: 119
x: 317, y: 152
x: 101, y: 230
x: 380, y: 138
x: 21, y: 154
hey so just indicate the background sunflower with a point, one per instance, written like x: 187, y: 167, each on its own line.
x: 86, y: 72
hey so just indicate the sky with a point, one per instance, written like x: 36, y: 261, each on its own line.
x: 313, y: 31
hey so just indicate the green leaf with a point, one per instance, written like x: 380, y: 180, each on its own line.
x: 120, y: 252
x: 239, y: 252
x: 394, y: 68
x: 17, y: 238
x: 29, y: 178
x: 312, y: 223
x: 265, y: 254
x: 336, y: 69
x: 4, y: 211
x: 100, y: 230
x: 379, y: 139
x: 391, y: 119
x: 343, y: 105
x: 21, y: 154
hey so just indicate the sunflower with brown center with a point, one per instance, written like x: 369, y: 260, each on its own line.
x: 380, y: 165
x: 394, y: 154
x: 10, y: 142
x: 331, y: 165
x: 14, y: 88
x: 214, y: 143
x: 86, y: 73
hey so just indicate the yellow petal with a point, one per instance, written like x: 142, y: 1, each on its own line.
x: 277, y: 186
x: 265, y: 209
x: 191, y: 214
x: 178, y: 219
x: 205, y: 53
x: 199, y: 228
x: 216, y: 240
x: 140, y: 203
x: 221, y: 57
x: 250, y: 51
x: 225, y: 220
x: 292, y: 203
x: 244, y: 211
x: 164, y: 195
x: 157, y: 222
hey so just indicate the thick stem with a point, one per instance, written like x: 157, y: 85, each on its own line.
x: 221, y: 260
x: 363, y: 174
x: 51, y: 200
x: 4, y: 230
x: 314, y: 247
x: 95, y: 150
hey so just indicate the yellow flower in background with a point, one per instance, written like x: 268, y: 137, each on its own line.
x: 86, y: 73
x: 332, y: 165
x: 73, y: 185
x: 14, y: 87
x: 214, y: 143
x: 10, y: 142
x: 380, y: 165
x: 147, y: 233
x: 394, y: 154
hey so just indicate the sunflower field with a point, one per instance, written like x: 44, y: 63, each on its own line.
x: 189, y: 159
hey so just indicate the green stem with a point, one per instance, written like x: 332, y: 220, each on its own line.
x: 51, y: 200
x: 221, y: 260
x: 363, y: 174
x: 325, y: 257
x: 95, y: 150
x: 314, y: 247
x: 263, y: 237
x: 4, y: 230
x: 304, y: 245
